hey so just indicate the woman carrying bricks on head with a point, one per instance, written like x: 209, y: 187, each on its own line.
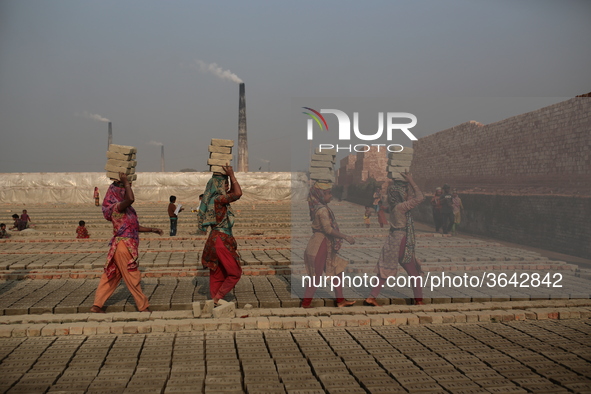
x: 399, y: 247
x: 123, y: 247
x: 321, y: 253
x: 220, y: 253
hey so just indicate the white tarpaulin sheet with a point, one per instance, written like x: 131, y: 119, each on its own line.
x: 78, y: 187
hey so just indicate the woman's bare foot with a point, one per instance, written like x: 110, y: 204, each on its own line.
x: 345, y: 303
x: 370, y: 302
x: 146, y: 310
x: 96, y: 309
x: 419, y: 303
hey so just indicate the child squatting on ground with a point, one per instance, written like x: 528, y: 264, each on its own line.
x: 81, y: 231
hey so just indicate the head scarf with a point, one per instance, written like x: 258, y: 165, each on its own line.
x: 216, y: 186
x: 316, y: 201
x: 397, y: 195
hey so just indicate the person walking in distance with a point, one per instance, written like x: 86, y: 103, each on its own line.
x: 97, y: 196
x: 173, y: 215
x: 457, y: 208
x: 436, y: 205
x: 447, y: 211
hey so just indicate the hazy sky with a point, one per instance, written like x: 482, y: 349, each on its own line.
x: 136, y: 64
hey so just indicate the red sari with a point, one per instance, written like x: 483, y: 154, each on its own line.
x: 82, y: 232
x: 220, y: 253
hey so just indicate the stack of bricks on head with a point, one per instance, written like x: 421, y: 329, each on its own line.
x: 398, y: 163
x: 220, y: 154
x: 321, y: 166
x: 121, y: 158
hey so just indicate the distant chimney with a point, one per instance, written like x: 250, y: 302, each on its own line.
x: 242, y: 161
x: 110, y: 140
x: 162, y: 158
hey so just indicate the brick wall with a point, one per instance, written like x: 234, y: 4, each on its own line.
x: 356, y: 169
x: 371, y: 164
x: 359, y: 167
x: 346, y: 169
x: 545, y: 151
x: 525, y: 179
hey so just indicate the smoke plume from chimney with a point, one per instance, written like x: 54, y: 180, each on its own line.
x: 88, y: 115
x: 218, y: 71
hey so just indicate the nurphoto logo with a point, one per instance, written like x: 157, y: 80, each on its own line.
x: 344, y: 132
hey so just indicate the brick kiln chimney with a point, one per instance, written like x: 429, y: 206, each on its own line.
x: 162, y: 158
x: 242, y: 161
x: 110, y: 138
